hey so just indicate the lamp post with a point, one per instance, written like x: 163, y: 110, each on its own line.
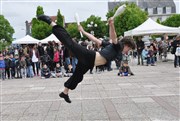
x: 92, y: 25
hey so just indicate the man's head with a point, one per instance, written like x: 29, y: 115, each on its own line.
x: 125, y: 63
x: 45, y: 66
x: 128, y: 43
x: 57, y: 65
x: 7, y: 56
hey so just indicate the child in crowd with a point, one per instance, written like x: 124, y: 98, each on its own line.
x: 125, y: 70
x: 2, y: 67
x: 150, y: 57
x: 7, y: 66
x: 30, y: 72
x: 145, y: 53
x: 58, y: 70
x: 17, y: 67
x: 45, y: 72
x: 23, y: 67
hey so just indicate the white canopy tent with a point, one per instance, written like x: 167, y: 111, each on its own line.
x: 51, y: 37
x: 26, y: 40
x: 151, y: 27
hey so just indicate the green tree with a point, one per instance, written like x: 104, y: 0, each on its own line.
x: 6, y: 32
x: 158, y: 21
x: 39, y: 11
x: 72, y: 29
x: 60, y: 19
x: 96, y: 25
x: 172, y: 21
x: 132, y: 17
x: 40, y: 30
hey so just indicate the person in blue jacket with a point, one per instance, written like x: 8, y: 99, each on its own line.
x: 2, y: 67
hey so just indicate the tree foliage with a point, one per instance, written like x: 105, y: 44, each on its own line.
x: 100, y: 30
x: 172, y: 21
x: 158, y: 21
x: 72, y: 29
x: 132, y: 17
x: 40, y: 30
x: 60, y: 19
x: 6, y: 32
x: 39, y: 11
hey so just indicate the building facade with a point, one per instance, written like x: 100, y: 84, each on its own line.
x: 156, y: 9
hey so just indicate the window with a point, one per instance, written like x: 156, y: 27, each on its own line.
x: 168, y: 10
x: 150, y: 11
x: 159, y: 10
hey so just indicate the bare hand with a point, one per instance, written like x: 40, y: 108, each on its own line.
x: 111, y: 21
x: 80, y: 28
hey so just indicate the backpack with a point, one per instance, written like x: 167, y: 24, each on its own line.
x: 177, y: 53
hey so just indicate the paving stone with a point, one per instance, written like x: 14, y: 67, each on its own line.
x: 99, y: 97
x: 142, y: 100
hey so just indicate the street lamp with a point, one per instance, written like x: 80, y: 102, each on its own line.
x: 92, y: 25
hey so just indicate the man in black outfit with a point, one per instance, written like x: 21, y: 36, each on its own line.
x: 87, y: 58
x: 140, y: 47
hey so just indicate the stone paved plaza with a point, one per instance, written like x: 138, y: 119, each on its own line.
x: 151, y: 95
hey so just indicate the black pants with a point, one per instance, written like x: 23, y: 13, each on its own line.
x: 7, y: 71
x: 85, y: 57
x: 176, y: 60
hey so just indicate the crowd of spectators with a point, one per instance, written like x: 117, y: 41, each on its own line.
x: 54, y: 60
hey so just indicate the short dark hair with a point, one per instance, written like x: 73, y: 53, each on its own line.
x: 129, y: 41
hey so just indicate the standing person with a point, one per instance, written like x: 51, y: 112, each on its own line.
x: 17, y: 67
x: 2, y: 67
x: 150, y: 57
x: 41, y: 52
x: 140, y: 47
x: 175, y: 44
x: 40, y: 49
x: 12, y: 66
x: 7, y: 66
x: 23, y: 67
x: 87, y: 58
x: 67, y: 62
x: 56, y: 57
x: 21, y: 52
x: 29, y: 70
x: 154, y: 44
x: 50, y: 52
x: 34, y: 54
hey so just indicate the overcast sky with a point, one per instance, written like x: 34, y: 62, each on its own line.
x: 17, y: 12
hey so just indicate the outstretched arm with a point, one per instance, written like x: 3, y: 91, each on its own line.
x: 89, y: 36
x: 112, y: 31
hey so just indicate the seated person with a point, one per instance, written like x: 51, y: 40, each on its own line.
x: 45, y: 72
x: 125, y: 70
x: 58, y: 70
